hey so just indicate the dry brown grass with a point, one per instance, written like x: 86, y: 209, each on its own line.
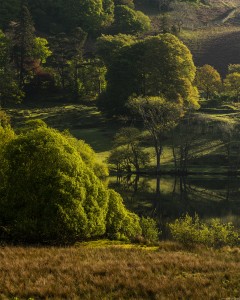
x: 116, y: 272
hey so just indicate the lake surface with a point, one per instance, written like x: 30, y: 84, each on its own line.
x: 169, y: 197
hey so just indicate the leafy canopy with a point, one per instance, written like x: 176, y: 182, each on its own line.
x: 50, y: 193
x: 156, y: 66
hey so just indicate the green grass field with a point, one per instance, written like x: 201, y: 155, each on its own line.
x: 90, y: 125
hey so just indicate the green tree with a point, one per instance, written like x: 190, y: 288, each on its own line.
x: 9, y: 88
x: 232, y: 85
x: 208, y: 80
x: 130, y: 21
x: 108, y: 46
x: 23, y: 43
x: 159, y: 117
x: 128, y: 151
x: 156, y: 66
x: 67, y: 56
x: 232, y: 68
x: 128, y: 3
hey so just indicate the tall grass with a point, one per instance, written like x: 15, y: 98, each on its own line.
x: 119, y: 272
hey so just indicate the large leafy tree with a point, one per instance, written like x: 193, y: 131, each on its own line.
x: 49, y: 191
x: 156, y: 66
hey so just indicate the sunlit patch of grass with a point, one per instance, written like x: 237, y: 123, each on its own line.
x: 119, y: 244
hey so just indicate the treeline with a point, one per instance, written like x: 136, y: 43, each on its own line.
x: 48, y: 47
x: 93, y: 16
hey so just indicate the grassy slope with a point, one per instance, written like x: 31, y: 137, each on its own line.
x: 119, y: 272
x: 87, y: 123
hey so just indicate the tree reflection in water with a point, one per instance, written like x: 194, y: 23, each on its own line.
x: 166, y: 198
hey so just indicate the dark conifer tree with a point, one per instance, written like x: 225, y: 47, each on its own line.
x: 23, y: 41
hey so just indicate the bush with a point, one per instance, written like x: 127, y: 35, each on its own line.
x: 49, y: 193
x: 121, y: 224
x: 191, y: 231
x: 150, y: 230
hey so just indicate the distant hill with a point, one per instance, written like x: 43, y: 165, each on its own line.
x: 211, y: 30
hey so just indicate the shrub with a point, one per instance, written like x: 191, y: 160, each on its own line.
x: 121, y: 224
x: 49, y: 193
x: 222, y: 234
x: 150, y: 231
x: 190, y: 231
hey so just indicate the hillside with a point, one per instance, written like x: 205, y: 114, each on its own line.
x: 211, y: 31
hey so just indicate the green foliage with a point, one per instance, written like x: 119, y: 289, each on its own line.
x: 121, y: 224
x: 159, y: 116
x: 4, y: 119
x: 128, y: 152
x: 88, y: 156
x: 23, y: 32
x: 59, y: 196
x: 232, y: 68
x: 208, y: 80
x: 232, y: 85
x: 129, y: 3
x: 9, y: 88
x: 160, y: 65
x: 191, y: 231
x: 41, y: 50
x: 50, y: 193
x: 108, y: 46
x: 6, y: 135
x: 150, y: 231
x: 130, y: 21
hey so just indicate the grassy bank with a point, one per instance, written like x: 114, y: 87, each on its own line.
x: 108, y: 271
x: 88, y: 123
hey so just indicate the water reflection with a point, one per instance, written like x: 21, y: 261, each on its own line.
x: 166, y: 198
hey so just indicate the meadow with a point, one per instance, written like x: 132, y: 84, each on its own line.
x: 86, y: 122
x: 108, y: 270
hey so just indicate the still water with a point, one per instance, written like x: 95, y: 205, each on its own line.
x: 167, y: 197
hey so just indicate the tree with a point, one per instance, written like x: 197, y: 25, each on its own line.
x: 232, y: 85
x: 128, y: 3
x: 68, y: 55
x: 185, y: 137
x: 208, y: 80
x: 49, y: 193
x: 156, y: 66
x: 127, y: 151
x: 108, y: 46
x: 130, y: 21
x: 232, y: 68
x: 159, y: 117
x: 60, y: 15
x: 23, y: 42
x: 91, y: 15
x: 9, y: 88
